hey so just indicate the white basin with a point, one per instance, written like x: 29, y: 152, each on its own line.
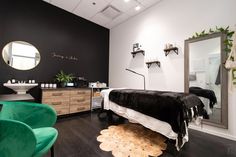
x: 20, y: 88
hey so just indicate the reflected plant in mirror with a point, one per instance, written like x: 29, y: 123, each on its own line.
x: 21, y: 55
x: 206, y: 77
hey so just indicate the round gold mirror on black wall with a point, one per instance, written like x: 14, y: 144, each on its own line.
x: 21, y: 55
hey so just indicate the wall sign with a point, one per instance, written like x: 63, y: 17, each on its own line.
x: 55, y: 55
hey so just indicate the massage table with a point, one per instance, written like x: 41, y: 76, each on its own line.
x: 121, y: 101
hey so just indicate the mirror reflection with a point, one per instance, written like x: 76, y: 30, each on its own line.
x: 21, y: 55
x: 205, y: 75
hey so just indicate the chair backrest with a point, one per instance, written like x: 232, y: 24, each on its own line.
x: 35, y: 115
x: 16, y: 139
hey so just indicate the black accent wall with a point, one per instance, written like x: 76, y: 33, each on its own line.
x: 53, y: 30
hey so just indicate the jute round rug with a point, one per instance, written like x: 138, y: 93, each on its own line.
x: 131, y: 140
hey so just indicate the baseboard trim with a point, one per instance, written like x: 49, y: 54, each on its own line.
x: 223, y: 135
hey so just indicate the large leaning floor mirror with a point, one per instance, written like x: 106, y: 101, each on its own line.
x: 206, y: 77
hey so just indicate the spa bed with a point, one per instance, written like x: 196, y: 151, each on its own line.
x: 135, y: 105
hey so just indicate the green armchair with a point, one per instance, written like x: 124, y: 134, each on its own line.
x: 35, y: 115
x: 26, y: 129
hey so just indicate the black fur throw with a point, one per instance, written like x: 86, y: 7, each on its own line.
x: 171, y: 107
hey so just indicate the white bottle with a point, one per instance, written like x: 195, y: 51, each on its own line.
x: 42, y: 85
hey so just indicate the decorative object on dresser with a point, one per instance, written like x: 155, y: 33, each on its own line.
x: 80, y: 82
x: 67, y: 100
x: 64, y: 78
x: 97, y: 85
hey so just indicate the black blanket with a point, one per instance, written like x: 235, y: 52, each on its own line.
x: 206, y: 93
x: 173, y: 108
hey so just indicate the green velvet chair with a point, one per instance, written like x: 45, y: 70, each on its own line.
x: 35, y: 115
x: 26, y: 129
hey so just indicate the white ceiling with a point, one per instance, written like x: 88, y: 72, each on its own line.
x: 92, y: 9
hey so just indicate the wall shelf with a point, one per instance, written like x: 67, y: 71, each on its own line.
x: 175, y: 49
x: 139, y: 51
x: 158, y: 63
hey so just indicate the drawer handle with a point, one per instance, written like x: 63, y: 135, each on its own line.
x: 80, y: 108
x: 57, y: 94
x: 80, y: 92
x: 56, y: 103
x: 81, y: 100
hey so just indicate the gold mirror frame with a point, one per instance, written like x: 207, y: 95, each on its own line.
x: 21, y: 55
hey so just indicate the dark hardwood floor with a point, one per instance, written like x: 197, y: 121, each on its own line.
x: 77, y: 138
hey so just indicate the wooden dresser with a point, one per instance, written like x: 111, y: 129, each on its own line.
x: 67, y: 100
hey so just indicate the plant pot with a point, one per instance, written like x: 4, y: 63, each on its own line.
x: 62, y: 84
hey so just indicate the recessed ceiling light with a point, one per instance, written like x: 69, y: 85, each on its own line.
x: 138, y: 7
x: 126, y: 1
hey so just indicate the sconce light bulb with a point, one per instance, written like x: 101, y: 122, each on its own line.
x: 126, y: 1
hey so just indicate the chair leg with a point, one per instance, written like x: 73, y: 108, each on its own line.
x: 52, y: 151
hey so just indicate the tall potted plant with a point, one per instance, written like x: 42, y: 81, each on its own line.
x: 64, y: 78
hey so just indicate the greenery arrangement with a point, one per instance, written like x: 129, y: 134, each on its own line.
x: 64, y: 78
x: 228, y: 42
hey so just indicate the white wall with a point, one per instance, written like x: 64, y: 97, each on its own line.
x: 170, y: 21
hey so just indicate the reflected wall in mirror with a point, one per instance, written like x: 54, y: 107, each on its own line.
x: 21, y: 55
x: 206, y: 77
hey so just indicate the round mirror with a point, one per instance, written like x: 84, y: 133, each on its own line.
x: 21, y: 55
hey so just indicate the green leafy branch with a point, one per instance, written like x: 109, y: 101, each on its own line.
x: 229, y: 34
x: 62, y: 77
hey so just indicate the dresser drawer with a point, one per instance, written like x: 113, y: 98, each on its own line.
x: 79, y: 108
x: 76, y: 103
x: 56, y: 102
x: 80, y: 99
x: 55, y: 94
x: 61, y: 110
x: 80, y: 92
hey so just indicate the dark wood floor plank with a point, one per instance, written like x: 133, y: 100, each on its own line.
x: 77, y: 138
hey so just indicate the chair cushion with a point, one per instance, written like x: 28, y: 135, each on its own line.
x: 45, y: 138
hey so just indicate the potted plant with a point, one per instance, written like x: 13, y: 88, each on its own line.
x: 64, y: 78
